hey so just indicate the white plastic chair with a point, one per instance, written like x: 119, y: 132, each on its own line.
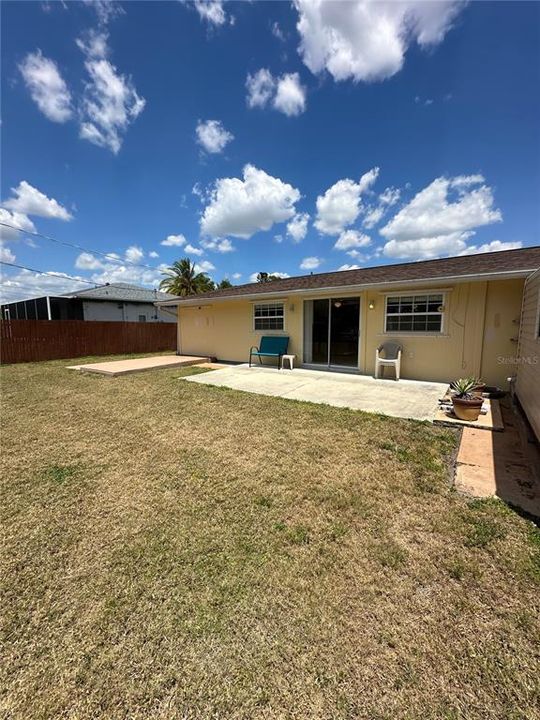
x: 388, y: 355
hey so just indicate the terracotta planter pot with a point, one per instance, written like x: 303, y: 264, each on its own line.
x: 467, y: 409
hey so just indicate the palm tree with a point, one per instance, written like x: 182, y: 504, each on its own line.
x: 182, y: 279
x: 224, y: 284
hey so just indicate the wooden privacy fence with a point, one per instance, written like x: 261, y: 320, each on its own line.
x: 31, y: 340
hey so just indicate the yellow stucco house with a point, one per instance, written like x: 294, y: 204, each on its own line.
x: 454, y: 317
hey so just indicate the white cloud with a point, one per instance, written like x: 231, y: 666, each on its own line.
x: 427, y: 248
x: 87, y: 261
x: 47, y: 87
x: 310, y: 263
x: 387, y: 199
x: 426, y: 101
x: 348, y: 267
x: 174, y: 241
x: 290, y: 97
x: 461, y: 181
x: 366, y: 40
x: 340, y: 204
x: 281, y: 275
x: 112, y: 271
x: 221, y: 245
x: 372, y: 216
x: 212, y: 12
x: 367, y: 179
x: 287, y: 93
x: 153, y: 254
x: 278, y: 239
x: 93, y: 43
x: 134, y: 254
x: 236, y: 276
x: 212, y: 136
x: 18, y: 220
x: 26, y: 284
x: 278, y: 32
x: 204, y: 266
x: 440, y: 218
x: 242, y: 207
x: 110, y: 102
x: 493, y: 246
x: 390, y: 196
x: 6, y: 255
x: 201, y: 192
x: 361, y: 257
x: 351, y: 239
x: 106, y: 10
x: 29, y: 200
x: 297, y: 227
x: 260, y: 87
x: 192, y: 250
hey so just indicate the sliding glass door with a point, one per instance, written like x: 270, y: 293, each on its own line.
x: 331, y: 332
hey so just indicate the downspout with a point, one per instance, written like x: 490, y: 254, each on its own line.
x: 178, y: 334
x: 49, y: 317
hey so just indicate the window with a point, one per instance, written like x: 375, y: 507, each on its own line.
x: 142, y: 318
x: 268, y: 316
x: 414, y: 313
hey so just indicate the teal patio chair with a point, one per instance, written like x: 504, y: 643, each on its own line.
x: 270, y: 346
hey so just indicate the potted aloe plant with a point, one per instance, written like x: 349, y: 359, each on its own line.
x: 467, y: 404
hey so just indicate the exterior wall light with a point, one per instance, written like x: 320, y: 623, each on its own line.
x: 371, y: 304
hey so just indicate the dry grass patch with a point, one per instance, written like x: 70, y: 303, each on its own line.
x: 172, y: 550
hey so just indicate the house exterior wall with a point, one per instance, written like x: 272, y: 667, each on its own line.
x: 123, y: 311
x: 528, y: 369
x: 478, y: 325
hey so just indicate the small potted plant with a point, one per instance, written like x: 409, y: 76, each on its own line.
x: 466, y: 404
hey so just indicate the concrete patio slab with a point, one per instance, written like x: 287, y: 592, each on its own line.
x: 406, y: 398
x: 123, y: 367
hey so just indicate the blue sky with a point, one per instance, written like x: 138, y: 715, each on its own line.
x: 270, y: 136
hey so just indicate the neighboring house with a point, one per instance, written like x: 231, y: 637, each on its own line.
x: 454, y: 317
x: 118, y: 302
x: 527, y: 365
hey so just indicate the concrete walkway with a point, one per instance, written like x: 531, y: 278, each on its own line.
x: 501, y: 464
x: 123, y: 367
x: 405, y: 399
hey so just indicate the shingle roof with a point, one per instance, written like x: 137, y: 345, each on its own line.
x: 121, y: 292
x: 524, y: 260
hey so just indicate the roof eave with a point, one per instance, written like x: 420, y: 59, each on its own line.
x: 471, y: 277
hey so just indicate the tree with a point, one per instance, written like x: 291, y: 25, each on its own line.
x: 182, y: 279
x: 224, y: 284
x: 264, y: 277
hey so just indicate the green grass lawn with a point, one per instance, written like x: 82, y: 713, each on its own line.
x: 172, y: 550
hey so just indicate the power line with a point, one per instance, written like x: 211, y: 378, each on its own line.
x: 50, y: 273
x: 80, y: 247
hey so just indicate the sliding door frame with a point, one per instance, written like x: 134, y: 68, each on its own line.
x: 328, y: 365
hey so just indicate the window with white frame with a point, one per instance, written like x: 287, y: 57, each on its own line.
x: 414, y: 313
x: 269, y: 316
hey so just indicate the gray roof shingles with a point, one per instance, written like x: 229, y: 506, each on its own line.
x: 121, y: 292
